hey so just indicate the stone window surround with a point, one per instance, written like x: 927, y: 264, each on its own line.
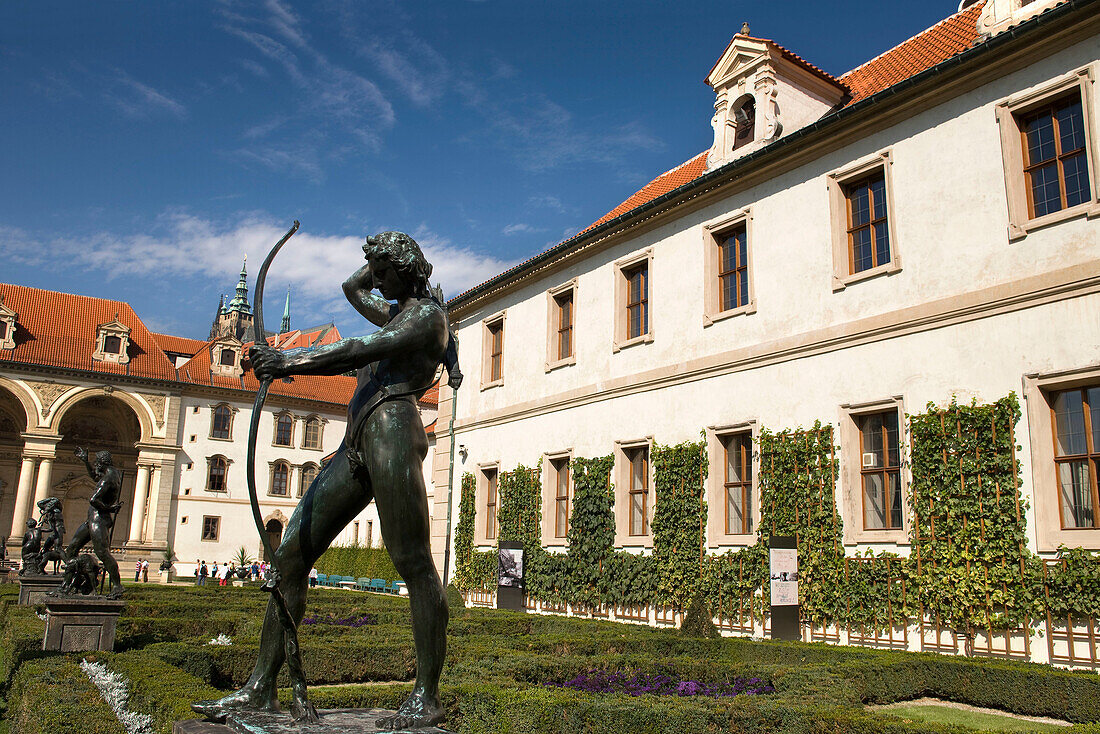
x: 549, y: 495
x: 621, y: 480
x: 225, y: 370
x: 9, y: 319
x: 232, y: 419
x: 275, y: 428
x: 481, y: 496
x: 321, y: 421
x: 552, y: 362
x: 851, y: 485
x: 500, y: 317
x: 112, y: 328
x: 217, y: 528
x: 209, y: 465
x: 838, y: 216
x: 715, y: 484
x: 1037, y: 386
x: 271, y: 477
x: 713, y: 232
x: 1007, y: 112
x: 620, y: 339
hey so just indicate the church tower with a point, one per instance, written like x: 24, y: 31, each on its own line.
x: 284, y: 327
x: 235, y: 319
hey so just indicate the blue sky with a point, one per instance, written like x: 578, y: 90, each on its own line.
x: 150, y: 145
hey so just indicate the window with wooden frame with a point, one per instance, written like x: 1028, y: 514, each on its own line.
x: 492, y: 502
x: 564, y: 307
x: 280, y: 479
x: 560, y: 470
x: 211, y: 527
x: 637, y: 300
x: 733, y: 269
x: 864, y: 238
x: 727, y: 267
x: 217, y: 469
x: 1050, y: 156
x: 311, y: 436
x: 638, y: 491
x: 492, y: 372
x: 1075, y: 416
x: 309, y: 473
x: 737, y: 483
x: 880, y: 471
x: 221, y: 422
x: 284, y: 430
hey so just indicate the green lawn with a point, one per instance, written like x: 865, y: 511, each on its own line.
x: 502, y: 666
x: 973, y: 719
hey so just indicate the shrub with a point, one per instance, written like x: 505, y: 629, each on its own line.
x: 158, y: 689
x: 697, y: 620
x: 54, y: 696
x: 20, y: 641
x: 359, y: 562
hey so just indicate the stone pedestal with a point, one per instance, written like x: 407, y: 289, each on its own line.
x: 165, y: 577
x: 333, y: 721
x: 79, y: 623
x: 33, y: 588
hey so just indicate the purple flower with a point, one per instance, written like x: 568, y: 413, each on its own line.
x: 639, y: 684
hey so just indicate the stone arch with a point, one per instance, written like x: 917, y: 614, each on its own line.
x: 139, y: 407
x: 25, y: 397
x: 744, y: 130
x: 274, y: 525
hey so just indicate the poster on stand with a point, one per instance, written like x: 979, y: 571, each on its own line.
x: 784, y: 577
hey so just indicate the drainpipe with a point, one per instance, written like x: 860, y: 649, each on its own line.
x: 450, y: 488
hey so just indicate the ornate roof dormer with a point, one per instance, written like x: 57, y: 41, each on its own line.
x: 761, y: 91
x: 8, y: 320
x: 225, y: 357
x: 112, y: 342
x: 1000, y: 15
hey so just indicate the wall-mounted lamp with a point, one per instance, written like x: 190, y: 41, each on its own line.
x: 463, y: 451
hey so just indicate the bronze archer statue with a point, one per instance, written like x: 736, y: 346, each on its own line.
x: 102, y: 510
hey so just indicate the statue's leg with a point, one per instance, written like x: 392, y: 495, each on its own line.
x: 396, y: 445
x: 335, y: 497
x: 101, y: 545
x: 80, y: 539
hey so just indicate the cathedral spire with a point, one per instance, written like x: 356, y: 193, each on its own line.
x: 285, y: 326
x: 240, y: 301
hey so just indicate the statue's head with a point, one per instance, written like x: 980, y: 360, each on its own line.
x: 103, y: 459
x: 31, y: 524
x: 404, y: 255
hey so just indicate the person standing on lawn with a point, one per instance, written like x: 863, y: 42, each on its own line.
x: 313, y: 577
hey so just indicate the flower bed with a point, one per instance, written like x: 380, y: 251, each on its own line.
x: 355, y: 620
x: 659, y: 684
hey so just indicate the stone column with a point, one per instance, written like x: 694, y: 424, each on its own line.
x: 137, y: 511
x: 22, y: 500
x: 45, y: 472
x: 150, y: 516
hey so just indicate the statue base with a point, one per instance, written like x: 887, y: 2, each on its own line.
x: 81, y: 623
x: 333, y: 721
x: 34, y: 587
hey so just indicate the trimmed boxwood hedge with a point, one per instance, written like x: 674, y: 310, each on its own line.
x: 158, y: 689
x: 20, y: 640
x: 54, y: 696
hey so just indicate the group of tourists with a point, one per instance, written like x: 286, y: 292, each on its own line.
x: 223, y: 573
x: 141, y: 570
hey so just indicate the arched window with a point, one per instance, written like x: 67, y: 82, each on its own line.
x: 284, y: 429
x: 309, y: 473
x: 744, y: 122
x: 217, y: 469
x: 280, y: 478
x: 311, y: 439
x: 221, y: 422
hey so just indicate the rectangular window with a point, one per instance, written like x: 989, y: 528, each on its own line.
x: 638, y: 459
x: 491, y: 503
x: 112, y: 344
x: 880, y: 470
x: 1075, y: 415
x: 228, y: 358
x: 492, y: 372
x: 738, y: 483
x: 564, y: 306
x: 637, y: 300
x: 1056, y: 168
x: 560, y: 472
x: 312, y: 437
x: 210, y: 527
x: 868, y: 228
x: 284, y: 430
x: 733, y: 269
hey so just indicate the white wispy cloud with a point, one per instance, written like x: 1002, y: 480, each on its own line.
x: 180, y: 244
x: 138, y: 99
x: 521, y: 228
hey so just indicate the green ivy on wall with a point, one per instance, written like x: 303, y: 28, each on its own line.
x: 474, y: 570
x: 521, y: 507
x: 679, y: 520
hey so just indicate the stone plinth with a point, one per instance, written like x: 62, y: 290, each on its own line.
x: 33, y: 588
x: 78, y: 623
x: 333, y: 721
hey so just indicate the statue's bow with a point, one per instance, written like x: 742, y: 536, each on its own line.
x: 301, y: 708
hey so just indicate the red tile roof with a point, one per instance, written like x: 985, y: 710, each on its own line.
x: 336, y: 389
x: 920, y: 53
x: 314, y: 337
x: 432, y: 396
x: 923, y: 51
x: 59, y: 330
x: 179, y: 344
